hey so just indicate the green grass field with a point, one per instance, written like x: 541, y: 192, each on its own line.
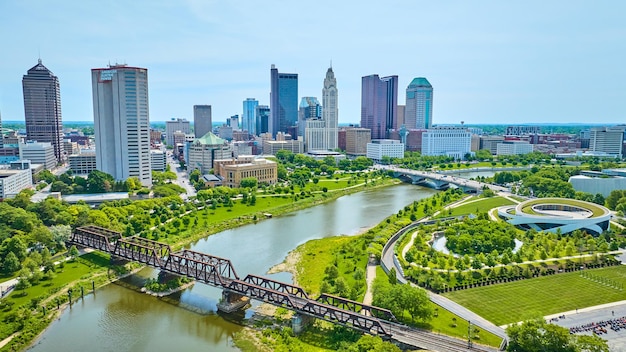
x: 596, y: 210
x: 519, y: 300
x: 478, y: 206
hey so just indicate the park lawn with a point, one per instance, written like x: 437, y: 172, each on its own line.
x: 478, y: 206
x: 516, y: 301
x: 74, y: 269
x: 444, y: 321
x: 597, y: 211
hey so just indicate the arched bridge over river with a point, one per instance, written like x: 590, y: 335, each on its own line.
x: 219, y: 272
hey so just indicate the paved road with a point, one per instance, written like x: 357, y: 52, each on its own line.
x: 182, y: 179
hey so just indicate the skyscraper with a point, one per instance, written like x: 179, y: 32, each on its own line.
x: 309, y: 109
x: 379, y: 104
x: 174, y: 125
x: 248, y: 122
x: 262, y: 116
x: 419, y: 104
x: 283, y: 101
x: 330, y: 112
x: 122, y: 122
x: 202, y: 121
x: 1, y: 134
x: 42, y: 108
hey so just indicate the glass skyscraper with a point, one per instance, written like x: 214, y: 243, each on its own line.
x: 419, y: 104
x: 283, y: 101
x: 248, y: 122
x: 379, y: 104
x: 262, y: 116
x: 42, y: 108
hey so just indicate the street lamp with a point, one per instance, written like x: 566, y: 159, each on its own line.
x: 469, y: 334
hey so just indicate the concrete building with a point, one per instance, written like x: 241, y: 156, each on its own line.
x: 42, y: 109
x: 248, y: 121
x: 202, y: 120
x: 155, y: 136
x: 309, y: 109
x: 514, y: 148
x: 122, y: 122
x: 320, y: 155
x: 401, y: 114
x: 451, y: 141
x: 490, y: 143
x: 293, y: 145
x: 158, y: 160
x: 83, y: 163
x: 607, y: 140
x: 316, y: 135
x: 522, y: 130
x: 379, y: 105
x: 419, y: 104
x: 203, y: 151
x: 233, y: 170
x: 172, y: 126
x: 377, y: 149
x: 330, y: 110
x: 12, y: 181
x: 357, y: 140
x: 39, y: 153
x: 70, y: 147
x: 283, y: 101
x: 233, y: 122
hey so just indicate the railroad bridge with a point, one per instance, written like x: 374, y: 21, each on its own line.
x: 219, y: 272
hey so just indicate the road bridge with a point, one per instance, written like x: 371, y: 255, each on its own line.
x: 219, y: 272
x: 441, y: 181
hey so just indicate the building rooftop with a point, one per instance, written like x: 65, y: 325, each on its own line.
x: 420, y: 82
x: 210, y: 139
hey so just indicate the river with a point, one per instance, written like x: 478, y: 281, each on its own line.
x: 119, y: 319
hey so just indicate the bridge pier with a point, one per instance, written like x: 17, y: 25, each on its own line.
x: 300, y: 321
x: 232, y: 301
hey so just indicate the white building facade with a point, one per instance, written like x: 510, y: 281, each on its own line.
x: 38, y: 153
x: 175, y: 125
x: 330, y: 111
x: 379, y: 148
x: 13, y: 181
x: 513, y: 148
x: 451, y: 141
x: 122, y: 122
x: 607, y: 140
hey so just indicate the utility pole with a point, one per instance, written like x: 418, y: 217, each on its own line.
x: 469, y: 334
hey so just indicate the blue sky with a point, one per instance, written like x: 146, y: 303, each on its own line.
x: 488, y: 61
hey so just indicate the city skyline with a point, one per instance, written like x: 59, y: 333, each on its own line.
x: 490, y: 62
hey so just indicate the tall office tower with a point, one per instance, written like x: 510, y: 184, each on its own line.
x: 248, y: 122
x: 1, y: 135
x: 122, y: 122
x: 283, y: 101
x: 42, y: 108
x: 262, y: 117
x: 202, y: 122
x: 309, y: 109
x: 331, y: 109
x: 174, y: 125
x: 419, y: 104
x: 379, y: 104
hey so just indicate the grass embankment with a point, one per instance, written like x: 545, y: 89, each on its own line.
x: 475, y: 206
x: 22, y: 310
x: 596, y: 210
x: 515, y: 301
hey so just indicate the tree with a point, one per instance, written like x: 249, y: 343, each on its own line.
x: 10, y: 264
x: 73, y: 252
x: 248, y: 182
x: 391, y: 275
x: 99, y: 182
x: 537, y: 335
x: 195, y: 175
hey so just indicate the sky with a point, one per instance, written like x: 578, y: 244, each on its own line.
x: 490, y: 62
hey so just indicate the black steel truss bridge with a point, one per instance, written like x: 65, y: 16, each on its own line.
x: 219, y: 272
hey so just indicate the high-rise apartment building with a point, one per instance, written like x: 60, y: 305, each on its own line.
x: 202, y: 121
x: 357, y: 139
x: 122, y: 122
x: 42, y: 108
x: 419, y: 104
x: 283, y: 101
x: 330, y: 112
x: 248, y: 122
x: 175, y: 125
x: 607, y: 140
x: 262, y: 117
x: 379, y: 104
